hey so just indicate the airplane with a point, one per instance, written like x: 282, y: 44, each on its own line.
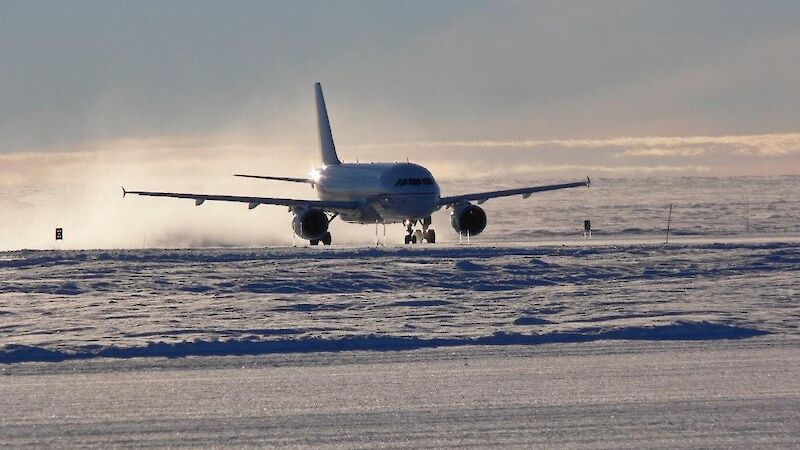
x: 370, y: 193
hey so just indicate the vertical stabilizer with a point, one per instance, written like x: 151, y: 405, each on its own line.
x: 326, y: 147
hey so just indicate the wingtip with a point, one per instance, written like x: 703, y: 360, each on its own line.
x: 588, y: 182
x: 123, y: 191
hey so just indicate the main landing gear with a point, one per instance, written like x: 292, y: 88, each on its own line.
x: 325, y: 239
x: 417, y: 236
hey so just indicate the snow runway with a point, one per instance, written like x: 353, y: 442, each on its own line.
x: 632, y: 345
x: 637, y: 394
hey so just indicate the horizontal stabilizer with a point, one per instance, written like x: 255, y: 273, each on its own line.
x: 262, y: 177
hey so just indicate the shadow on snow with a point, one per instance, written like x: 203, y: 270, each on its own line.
x: 15, y: 353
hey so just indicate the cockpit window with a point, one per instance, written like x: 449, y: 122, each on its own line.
x: 414, y: 182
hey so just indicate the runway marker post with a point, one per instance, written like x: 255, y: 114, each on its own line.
x: 747, y: 216
x: 669, y: 221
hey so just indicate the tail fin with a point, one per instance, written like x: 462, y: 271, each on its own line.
x: 326, y: 147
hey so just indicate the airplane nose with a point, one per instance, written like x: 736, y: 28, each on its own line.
x: 414, y: 206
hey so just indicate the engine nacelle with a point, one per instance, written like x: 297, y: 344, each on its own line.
x: 468, y: 219
x: 310, y: 223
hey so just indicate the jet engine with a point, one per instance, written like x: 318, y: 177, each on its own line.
x: 310, y: 223
x: 468, y: 219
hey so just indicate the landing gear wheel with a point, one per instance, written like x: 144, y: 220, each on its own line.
x: 418, y: 236
x: 430, y: 236
x: 410, y: 232
x: 314, y: 241
x: 326, y: 238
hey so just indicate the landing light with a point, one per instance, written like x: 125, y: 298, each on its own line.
x: 316, y: 174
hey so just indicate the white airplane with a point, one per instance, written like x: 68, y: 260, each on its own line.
x: 370, y: 193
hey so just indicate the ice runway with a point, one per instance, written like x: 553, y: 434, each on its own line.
x: 633, y: 394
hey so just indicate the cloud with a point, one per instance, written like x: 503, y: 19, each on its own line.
x: 756, y: 144
x: 207, y: 163
x: 469, y: 69
x: 662, y: 152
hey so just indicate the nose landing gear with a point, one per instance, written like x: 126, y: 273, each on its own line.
x: 417, y: 236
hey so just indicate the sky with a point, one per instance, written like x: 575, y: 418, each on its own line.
x: 181, y: 94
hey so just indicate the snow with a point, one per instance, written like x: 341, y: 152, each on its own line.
x: 61, y: 305
x: 602, y: 394
x: 594, y: 344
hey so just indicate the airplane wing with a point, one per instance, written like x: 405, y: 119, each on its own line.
x: 252, y: 202
x: 526, y: 192
x: 263, y: 177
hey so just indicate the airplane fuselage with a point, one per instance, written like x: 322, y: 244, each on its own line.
x: 391, y: 192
